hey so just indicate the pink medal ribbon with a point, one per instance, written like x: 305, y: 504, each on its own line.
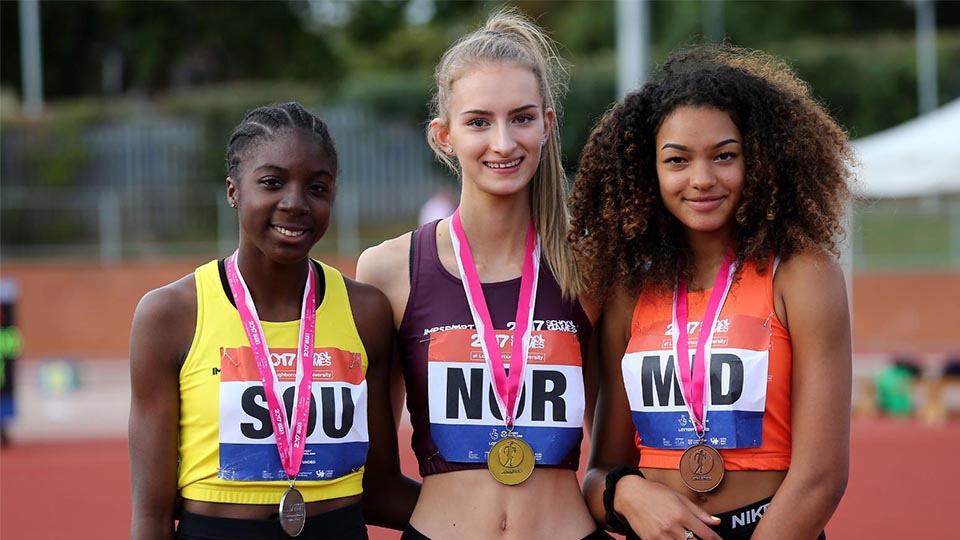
x: 506, y: 388
x: 291, y: 443
x: 694, y: 384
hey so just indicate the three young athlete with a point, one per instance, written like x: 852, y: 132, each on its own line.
x: 704, y: 214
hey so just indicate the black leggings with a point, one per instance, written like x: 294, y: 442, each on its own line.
x: 341, y: 524
x: 412, y: 534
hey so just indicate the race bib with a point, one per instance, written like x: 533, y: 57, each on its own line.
x: 735, y: 393
x: 465, y: 420
x: 337, y: 436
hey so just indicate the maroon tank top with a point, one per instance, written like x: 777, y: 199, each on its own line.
x: 437, y: 305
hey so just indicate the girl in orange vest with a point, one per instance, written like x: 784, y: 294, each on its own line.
x: 706, y: 212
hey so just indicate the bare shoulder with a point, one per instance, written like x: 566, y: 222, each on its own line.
x: 387, y: 267
x: 170, y: 302
x: 811, y: 280
x: 165, y: 321
x: 809, y: 264
x: 175, y: 296
x: 386, y: 264
x: 812, y: 272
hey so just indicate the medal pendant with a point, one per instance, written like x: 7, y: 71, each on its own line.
x: 511, y: 461
x: 293, y: 512
x: 701, y: 468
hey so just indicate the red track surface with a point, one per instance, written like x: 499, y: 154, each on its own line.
x: 902, y: 484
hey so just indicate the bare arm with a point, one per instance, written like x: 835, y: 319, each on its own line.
x: 388, y: 496
x: 812, y: 302
x: 163, y: 327
x: 653, y: 511
x: 387, y: 267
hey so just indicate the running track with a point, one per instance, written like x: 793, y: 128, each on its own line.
x: 902, y: 486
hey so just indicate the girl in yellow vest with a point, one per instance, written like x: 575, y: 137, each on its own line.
x: 260, y: 381
x: 707, y: 210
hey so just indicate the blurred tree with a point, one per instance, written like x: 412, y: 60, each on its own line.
x: 169, y: 44
x: 858, y: 55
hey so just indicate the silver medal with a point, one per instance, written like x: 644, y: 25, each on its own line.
x: 293, y: 512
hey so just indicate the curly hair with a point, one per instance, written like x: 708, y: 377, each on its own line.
x: 797, y: 162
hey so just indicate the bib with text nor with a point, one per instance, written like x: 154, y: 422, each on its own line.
x: 465, y: 421
x: 736, y: 384
x: 337, y: 437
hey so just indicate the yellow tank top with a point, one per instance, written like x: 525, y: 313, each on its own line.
x: 227, y: 449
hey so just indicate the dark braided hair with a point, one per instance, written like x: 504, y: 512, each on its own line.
x: 796, y: 161
x: 267, y: 122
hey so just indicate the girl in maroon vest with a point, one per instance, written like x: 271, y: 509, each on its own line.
x: 494, y: 286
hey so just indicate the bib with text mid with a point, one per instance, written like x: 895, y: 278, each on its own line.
x: 736, y: 384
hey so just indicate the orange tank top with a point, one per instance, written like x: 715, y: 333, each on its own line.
x: 748, y: 378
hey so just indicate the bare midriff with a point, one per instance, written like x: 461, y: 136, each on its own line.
x: 472, y: 505
x: 738, y: 488
x: 261, y: 511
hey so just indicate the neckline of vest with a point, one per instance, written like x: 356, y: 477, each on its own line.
x: 321, y: 285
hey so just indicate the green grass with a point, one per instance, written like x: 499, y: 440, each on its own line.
x: 905, y: 235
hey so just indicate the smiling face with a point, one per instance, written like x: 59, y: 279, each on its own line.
x: 700, y: 168
x: 284, y: 195
x: 496, y: 127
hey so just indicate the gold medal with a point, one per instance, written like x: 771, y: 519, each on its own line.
x: 511, y: 461
x: 701, y: 468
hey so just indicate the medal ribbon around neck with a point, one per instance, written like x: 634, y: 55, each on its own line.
x: 291, y: 443
x: 694, y: 384
x: 506, y: 389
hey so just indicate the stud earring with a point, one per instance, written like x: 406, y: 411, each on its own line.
x: 449, y: 149
x: 233, y: 203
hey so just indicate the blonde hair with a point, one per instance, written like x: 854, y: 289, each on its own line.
x: 510, y: 37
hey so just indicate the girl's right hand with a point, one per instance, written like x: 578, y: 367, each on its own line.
x: 656, y: 512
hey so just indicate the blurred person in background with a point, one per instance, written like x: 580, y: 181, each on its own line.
x: 439, y: 206
x: 494, y: 285
x: 894, y: 387
x: 252, y: 377
x: 706, y: 211
x: 11, y: 344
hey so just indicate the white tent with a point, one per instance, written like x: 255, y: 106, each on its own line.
x: 917, y: 158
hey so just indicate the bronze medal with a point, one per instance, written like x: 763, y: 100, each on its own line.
x: 701, y: 468
x: 511, y: 461
x: 293, y: 512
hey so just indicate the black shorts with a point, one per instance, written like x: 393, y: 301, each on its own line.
x: 412, y: 534
x: 341, y: 524
x: 740, y: 523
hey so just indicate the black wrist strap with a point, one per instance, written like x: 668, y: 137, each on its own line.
x: 617, y: 524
